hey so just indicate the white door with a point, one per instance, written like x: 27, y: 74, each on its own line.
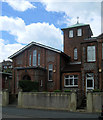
x: 89, y: 81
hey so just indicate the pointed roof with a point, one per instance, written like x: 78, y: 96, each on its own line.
x: 100, y: 36
x: 39, y: 45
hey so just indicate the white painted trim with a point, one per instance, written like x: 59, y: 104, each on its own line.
x: 89, y: 88
x: 70, y: 85
x: 73, y: 63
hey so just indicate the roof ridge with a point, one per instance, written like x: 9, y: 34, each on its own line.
x: 34, y: 43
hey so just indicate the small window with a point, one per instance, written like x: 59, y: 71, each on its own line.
x: 71, y: 33
x: 70, y: 80
x: 39, y: 59
x: 102, y: 51
x: 34, y: 58
x: 30, y: 60
x: 75, y: 54
x: 79, y: 32
x: 41, y: 83
x: 5, y: 67
x: 50, y: 72
x: 10, y: 66
x: 91, y: 54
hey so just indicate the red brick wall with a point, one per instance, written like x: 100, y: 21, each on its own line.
x: 75, y: 42
x: 46, y: 57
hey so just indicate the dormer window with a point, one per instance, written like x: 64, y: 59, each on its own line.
x: 79, y: 32
x: 71, y: 33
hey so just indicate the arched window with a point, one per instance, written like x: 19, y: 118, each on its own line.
x: 26, y: 77
x: 75, y: 54
x: 34, y: 57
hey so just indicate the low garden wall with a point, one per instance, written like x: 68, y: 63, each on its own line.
x: 4, y: 98
x: 47, y: 100
x: 94, y: 101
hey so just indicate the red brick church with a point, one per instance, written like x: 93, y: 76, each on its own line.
x: 79, y: 66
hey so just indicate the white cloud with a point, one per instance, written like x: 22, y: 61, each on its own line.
x: 19, y: 5
x: 8, y: 49
x: 38, y: 32
x: 88, y: 12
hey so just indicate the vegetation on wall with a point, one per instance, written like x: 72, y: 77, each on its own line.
x: 29, y: 86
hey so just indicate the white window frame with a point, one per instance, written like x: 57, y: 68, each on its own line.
x: 75, y: 54
x: 90, y: 78
x: 29, y: 60
x: 38, y: 59
x: 50, y: 69
x: 70, y: 77
x: 70, y: 33
x: 79, y: 32
x: 91, y: 52
x: 34, y: 57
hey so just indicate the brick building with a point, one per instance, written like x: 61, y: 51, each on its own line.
x: 6, y: 75
x: 79, y: 66
x: 6, y: 66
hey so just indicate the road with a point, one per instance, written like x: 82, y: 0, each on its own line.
x: 13, y: 112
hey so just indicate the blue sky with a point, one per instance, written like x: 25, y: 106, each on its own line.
x: 22, y: 22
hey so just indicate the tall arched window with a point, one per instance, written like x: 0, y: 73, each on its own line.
x: 34, y: 57
x: 75, y: 54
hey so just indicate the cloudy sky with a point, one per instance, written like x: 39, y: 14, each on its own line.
x: 24, y: 21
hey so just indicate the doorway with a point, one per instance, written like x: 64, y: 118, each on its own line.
x: 89, y: 81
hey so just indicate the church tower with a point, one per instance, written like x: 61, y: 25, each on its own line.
x: 73, y: 36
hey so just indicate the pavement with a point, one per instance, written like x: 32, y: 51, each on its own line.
x: 14, y: 112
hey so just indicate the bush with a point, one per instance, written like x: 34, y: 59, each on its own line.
x: 57, y: 91
x: 96, y: 90
x: 28, y: 86
x: 67, y: 90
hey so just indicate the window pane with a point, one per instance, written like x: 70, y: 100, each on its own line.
x: 38, y: 59
x: 34, y: 57
x: 30, y: 60
x: 79, y: 32
x: 50, y: 72
x: 89, y: 83
x: 75, y: 54
x: 66, y: 76
x: 50, y: 67
x: 66, y: 82
x: 71, y: 33
x: 50, y: 75
x: 91, y: 53
x: 71, y: 81
x: 75, y: 81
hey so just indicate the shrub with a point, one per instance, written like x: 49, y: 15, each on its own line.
x: 28, y: 86
x: 57, y: 91
x: 96, y: 90
x: 67, y: 90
